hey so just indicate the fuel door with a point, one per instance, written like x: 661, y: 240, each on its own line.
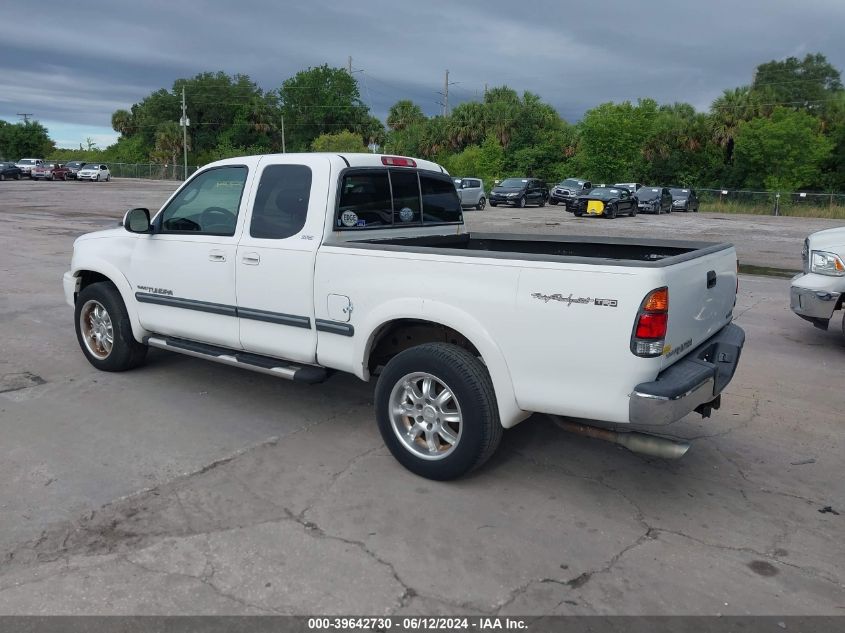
x: 340, y: 308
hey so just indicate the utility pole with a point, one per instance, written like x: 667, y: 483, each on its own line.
x: 446, y: 94
x: 25, y: 116
x: 349, y: 65
x: 283, y: 135
x: 184, y: 122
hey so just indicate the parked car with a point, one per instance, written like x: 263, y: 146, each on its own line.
x: 26, y: 165
x: 247, y: 265
x: 50, y: 171
x: 519, y: 192
x: 471, y: 192
x: 73, y: 168
x: 684, y: 200
x: 94, y: 171
x: 606, y: 201
x: 633, y: 187
x: 654, y: 200
x: 819, y: 290
x: 9, y: 171
x: 567, y: 191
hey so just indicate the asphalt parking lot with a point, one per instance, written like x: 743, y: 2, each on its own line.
x: 190, y: 487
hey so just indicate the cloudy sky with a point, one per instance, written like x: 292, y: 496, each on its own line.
x: 72, y: 64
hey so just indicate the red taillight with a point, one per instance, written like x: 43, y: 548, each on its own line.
x: 398, y: 161
x: 652, y: 326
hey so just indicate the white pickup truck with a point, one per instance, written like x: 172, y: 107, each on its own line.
x: 298, y: 265
x: 819, y: 290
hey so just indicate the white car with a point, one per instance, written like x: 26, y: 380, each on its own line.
x: 94, y: 171
x: 299, y: 265
x: 26, y: 165
x: 819, y: 291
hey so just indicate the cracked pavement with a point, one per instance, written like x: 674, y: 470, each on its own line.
x: 188, y: 487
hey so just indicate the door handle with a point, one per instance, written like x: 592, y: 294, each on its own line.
x: 216, y: 256
x: 251, y: 259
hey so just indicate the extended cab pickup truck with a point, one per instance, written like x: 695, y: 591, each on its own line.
x: 298, y: 265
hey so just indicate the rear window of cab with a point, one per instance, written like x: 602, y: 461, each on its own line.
x: 395, y: 198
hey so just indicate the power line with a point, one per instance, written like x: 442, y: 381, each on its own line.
x: 25, y: 116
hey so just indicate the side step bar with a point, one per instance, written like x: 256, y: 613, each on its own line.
x: 254, y: 362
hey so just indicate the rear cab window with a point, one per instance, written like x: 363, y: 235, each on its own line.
x: 375, y: 198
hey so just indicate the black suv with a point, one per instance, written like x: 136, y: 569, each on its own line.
x: 567, y: 191
x: 519, y: 192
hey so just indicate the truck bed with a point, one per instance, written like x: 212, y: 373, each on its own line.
x: 563, y: 248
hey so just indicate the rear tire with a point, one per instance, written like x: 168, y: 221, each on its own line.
x: 104, y: 331
x: 481, y: 204
x: 633, y: 210
x: 410, y: 419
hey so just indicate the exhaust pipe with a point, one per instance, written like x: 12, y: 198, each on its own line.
x: 635, y: 442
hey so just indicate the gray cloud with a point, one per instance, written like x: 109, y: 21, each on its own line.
x: 77, y: 66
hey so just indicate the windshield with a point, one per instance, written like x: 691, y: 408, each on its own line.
x: 648, y: 193
x: 680, y: 193
x: 26, y: 161
x: 514, y: 182
x: 74, y: 163
x: 605, y: 192
x: 571, y: 183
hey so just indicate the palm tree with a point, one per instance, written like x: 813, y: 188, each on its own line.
x: 728, y: 111
x: 466, y: 125
x: 168, y: 144
x: 403, y: 114
x: 121, y: 122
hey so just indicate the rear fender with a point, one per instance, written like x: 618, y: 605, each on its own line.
x: 460, y: 321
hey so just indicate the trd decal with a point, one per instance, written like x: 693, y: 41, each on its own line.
x: 609, y: 303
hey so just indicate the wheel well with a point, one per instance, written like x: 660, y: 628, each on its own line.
x: 88, y: 277
x: 402, y: 334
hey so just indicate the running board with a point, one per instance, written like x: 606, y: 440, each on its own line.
x: 244, y: 360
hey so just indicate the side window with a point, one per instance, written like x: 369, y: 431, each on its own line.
x: 208, y: 205
x: 365, y: 200
x: 281, y: 202
x: 440, y: 201
x: 406, y: 196
x: 474, y: 184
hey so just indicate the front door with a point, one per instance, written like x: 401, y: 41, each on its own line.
x: 276, y: 254
x: 183, y: 275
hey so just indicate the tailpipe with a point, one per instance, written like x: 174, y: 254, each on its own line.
x: 635, y: 442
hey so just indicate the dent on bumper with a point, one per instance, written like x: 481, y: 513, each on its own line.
x: 813, y: 305
x: 696, y: 380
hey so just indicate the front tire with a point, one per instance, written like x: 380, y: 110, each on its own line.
x: 481, y: 204
x: 437, y: 412
x: 521, y: 202
x: 104, y: 331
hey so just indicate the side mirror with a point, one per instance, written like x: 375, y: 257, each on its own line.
x: 137, y: 220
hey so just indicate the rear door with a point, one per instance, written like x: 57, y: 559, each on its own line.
x: 275, y: 256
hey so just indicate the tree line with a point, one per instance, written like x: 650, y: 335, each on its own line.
x: 783, y: 131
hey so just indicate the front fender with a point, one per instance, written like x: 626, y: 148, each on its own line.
x: 82, y: 263
x: 460, y: 321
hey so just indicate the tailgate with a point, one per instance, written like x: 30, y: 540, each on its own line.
x: 702, y: 294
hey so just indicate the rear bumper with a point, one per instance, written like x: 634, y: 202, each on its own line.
x: 693, y: 383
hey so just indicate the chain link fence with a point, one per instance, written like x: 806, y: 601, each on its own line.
x: 801, y: 204
x: 151, y: 171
